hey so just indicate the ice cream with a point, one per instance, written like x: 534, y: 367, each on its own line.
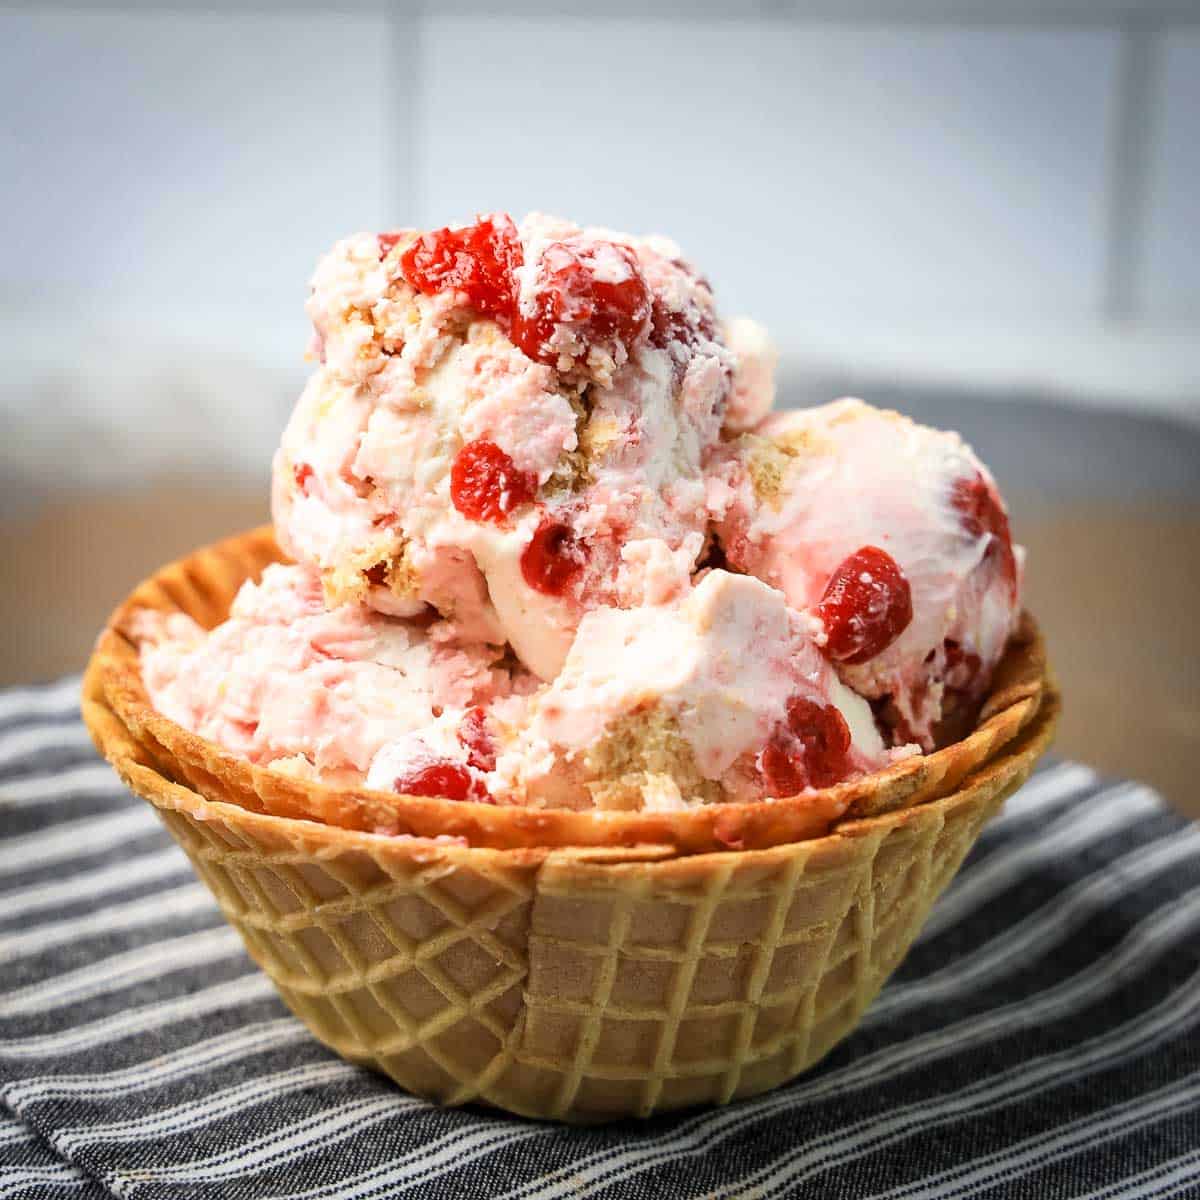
x: 318, y: 692
x: 509, y: 425
x: 722, y: 697
x: 552, y: 549
x: 350, y: 696
x: 893, y: 535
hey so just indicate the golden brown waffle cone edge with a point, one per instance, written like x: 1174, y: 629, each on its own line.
x: 573, y: 982
x: 203, y: 586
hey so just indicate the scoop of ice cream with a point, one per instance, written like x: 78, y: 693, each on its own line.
x: 891, y: 535
x: 723, y: 696
x: 313, y: 691
x: 509, y: 426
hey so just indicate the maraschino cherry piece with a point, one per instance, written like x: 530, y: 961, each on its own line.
x: 867, y: 605
x: 553, y: 558
x: 811, y: 749
x: 782, y: 769
x: 596, y: 290
x: 477, y: 260
x: 302, y: 473
x: 485, y: 484
x: 444, y: 778
x: 822, y: 731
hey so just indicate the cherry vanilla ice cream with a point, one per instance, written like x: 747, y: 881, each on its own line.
x: 318, y: 692
x: 509, y: 426
x: 552, y: 548
x: 661, y: 705
x: 893, y: 535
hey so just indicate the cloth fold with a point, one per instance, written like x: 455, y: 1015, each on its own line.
x: 1042, y: 1038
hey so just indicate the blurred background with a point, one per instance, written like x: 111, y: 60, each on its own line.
x: 983, y: 212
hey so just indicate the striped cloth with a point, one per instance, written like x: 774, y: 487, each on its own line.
x: 1041, y: 1040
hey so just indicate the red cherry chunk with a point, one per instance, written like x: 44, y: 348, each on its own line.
x: 867, y: 605
x: 485, y: 484
x: 981, y: 512
x: 553, y: 559
x: 597, y: 290
x: 302, y: 473
x: 443, y: 778
x: 387, y: 243
x: 822, y: 731
x: 782, y: 768
x: 812, y: 749
x: 477, y: 261
x: 474, y: 735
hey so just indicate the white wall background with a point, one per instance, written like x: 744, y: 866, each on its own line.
x: 991, y: 195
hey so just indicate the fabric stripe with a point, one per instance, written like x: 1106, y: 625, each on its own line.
x: 54, y: 699
x: 89, y: 778
x: 1105, y: 813
x: 118, y: 971
x: 1035, y: 935
x: 218, y: 1105
x: 28, y: 1182
x: 274, y: 1151
x: 21, y: 744
x: 254, y: 986
x: 29, y: 1168
x: 1163, y: 1179
x: 13, y: 1131
x: 1014, y: 1161
x: 1136, y: 1037
x: 75, y: 839
x: 432, y: 1161
x: 89, y: 885
x: 212, y: 1054
x: 188, y: 900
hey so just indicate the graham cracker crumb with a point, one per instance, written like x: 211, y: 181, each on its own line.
x: 643, y: 754
x: 350, y: 580
x: 767, y: 462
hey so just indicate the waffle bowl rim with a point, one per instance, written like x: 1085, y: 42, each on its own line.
x: 141, y: 773
x: 203, y: 583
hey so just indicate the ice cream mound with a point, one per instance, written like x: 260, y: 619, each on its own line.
x: 509, y: 425
x: 318, y: 692
x: 552, y: 549
x: 893, y: 534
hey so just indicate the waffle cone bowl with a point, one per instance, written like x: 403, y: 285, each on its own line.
x: 579, y: 966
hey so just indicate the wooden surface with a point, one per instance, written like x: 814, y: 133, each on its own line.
x: 1115, y: 588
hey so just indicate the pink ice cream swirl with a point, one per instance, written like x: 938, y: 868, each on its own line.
x: 893, y: 535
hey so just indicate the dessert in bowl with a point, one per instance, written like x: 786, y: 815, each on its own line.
x: 584, y: 738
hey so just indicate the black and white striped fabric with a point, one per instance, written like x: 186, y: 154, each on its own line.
x: 1041, y: 1040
